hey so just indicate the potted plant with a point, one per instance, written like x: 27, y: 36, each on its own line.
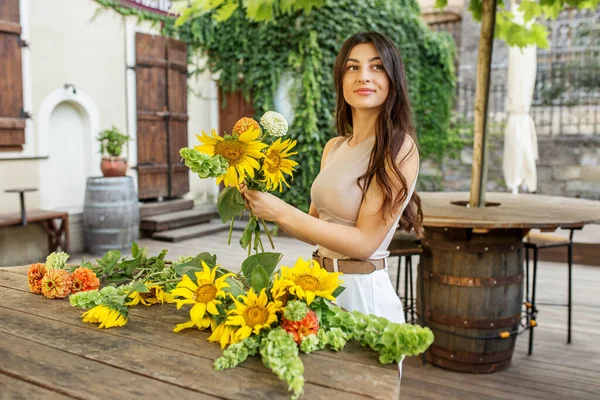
x: 111, y: 146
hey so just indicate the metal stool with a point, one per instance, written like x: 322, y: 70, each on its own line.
x: 404, y: 246
x: 535, y: 241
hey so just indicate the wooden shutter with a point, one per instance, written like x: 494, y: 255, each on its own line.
x: 12, y: 116
x: 161, y: 76
x: 177, y: 104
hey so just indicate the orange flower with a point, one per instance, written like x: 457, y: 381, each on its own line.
x: 34, y: 275
x: 309, y: 325
x: 84, y: 279
x: 243, y: 124
x: 56, y: 283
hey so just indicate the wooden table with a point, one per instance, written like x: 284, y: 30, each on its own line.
x: 47, y: 352
x: 471, y: 293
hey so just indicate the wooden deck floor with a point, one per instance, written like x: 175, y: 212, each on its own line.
x: 555, y: 370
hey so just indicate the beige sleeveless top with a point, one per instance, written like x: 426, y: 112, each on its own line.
x: 338, y: 198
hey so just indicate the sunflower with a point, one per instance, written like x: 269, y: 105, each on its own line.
x: 223, y: 334
x: 155, y: 295
x: 204, y: 295
x: 306, y: 280
x: 251, y: 315
x: 277, y: 163
x: 107, y: 316
x: 241, y: 152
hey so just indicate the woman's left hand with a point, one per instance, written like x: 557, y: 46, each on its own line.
x: 264, y: 205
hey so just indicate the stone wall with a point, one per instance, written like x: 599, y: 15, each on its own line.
x: 567, y: 166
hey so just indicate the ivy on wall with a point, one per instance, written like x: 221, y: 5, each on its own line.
x: 252, y: 57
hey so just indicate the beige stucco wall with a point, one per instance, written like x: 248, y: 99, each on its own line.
x: 71, y: 43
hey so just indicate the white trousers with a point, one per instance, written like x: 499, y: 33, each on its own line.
x: 372, y: 294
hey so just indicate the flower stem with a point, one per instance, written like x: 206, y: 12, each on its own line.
x: 267, y: 232
x: 230, y: 231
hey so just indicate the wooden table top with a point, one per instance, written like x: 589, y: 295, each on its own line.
x: 47, y: 352
x: 528, y: 211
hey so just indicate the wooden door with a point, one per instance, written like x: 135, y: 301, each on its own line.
x: 12, y: 115
x: 161, y: 76
x: 235, y: 108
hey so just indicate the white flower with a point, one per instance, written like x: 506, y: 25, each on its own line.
x: 274, y: 123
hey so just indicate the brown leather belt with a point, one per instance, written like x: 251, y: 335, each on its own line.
x: 349, y: 265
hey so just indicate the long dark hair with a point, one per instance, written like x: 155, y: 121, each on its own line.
x: 393, y: 125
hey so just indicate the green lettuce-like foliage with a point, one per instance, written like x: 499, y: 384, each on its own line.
x: 237, y: 353
x: 57, y: 260
x: 295, y: 310
x: 108, y: 295
x: 280, y: 353
x: 310, y: 343
x: 204, y: 165
x: 391, y: 340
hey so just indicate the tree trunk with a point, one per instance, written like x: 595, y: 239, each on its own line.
x: 484, y: 60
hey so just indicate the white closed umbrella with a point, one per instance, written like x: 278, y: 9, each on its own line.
x: 520, y: 139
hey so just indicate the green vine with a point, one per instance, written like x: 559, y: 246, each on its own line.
x: 252, y: 57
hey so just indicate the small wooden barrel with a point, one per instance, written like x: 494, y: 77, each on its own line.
x: 111, y: 216
x: 473, y: 292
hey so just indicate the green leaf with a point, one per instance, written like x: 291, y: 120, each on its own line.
x: 260, y: 279
x: 338, y: 291
x: 267, y: 260
x: 130, y: 265
x: 139, y: 287
x: 441, y: 3
x: 195, y: 264
x: 235, y: 287
x: 134, y: 250
x: 224, y: 12
x: 247, y: 235
x: 230, y: 204
x: 109, y: 260
x: 530, y: 9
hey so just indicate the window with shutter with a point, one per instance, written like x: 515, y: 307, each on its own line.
x: 12, y: 116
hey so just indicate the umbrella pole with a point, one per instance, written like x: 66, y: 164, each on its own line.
x: 484, y: 61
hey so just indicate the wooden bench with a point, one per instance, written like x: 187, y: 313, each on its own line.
x: 55, y: 223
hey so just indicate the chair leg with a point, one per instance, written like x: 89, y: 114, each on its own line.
x: 398, y: 276
x: 406, y: 280
x: 527, y: 274
x: 411, y: 290
x: 569, y: 303
x: 532, y: 323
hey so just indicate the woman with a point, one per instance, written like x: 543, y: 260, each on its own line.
x: 367, y: 178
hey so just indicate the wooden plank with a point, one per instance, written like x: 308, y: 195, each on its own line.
x: 323, y: 371
x: 32, y: 216
x: 178, y: 219
x: 62, y: 372
x: 154, y: 208
x: 188, y: 232
x: 16, y: 389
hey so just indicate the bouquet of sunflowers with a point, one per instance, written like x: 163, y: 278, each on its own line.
x: 254, y: 154
x: 276, y: 313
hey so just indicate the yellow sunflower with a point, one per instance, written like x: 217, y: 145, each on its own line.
x: 306, y: 280
x: 241, y: 152
x: 251, y: 315
x: 107, y: 316
x: 155, y: 295
x: 223, y: 334
x: 204, y: 295
x: 277, y: 163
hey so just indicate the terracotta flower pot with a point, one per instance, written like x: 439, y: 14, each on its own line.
x: 113, y: 166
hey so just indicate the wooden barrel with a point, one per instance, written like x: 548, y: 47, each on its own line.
x: 111, y: 216
x: 473, y: 294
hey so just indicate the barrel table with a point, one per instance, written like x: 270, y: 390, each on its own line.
x: 471, y: 273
